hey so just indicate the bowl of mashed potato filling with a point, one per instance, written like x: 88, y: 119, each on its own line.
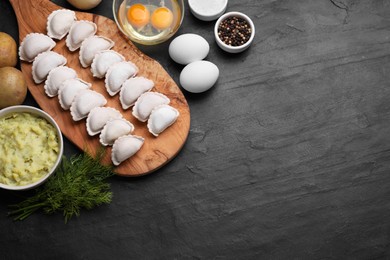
x: 31, y: 147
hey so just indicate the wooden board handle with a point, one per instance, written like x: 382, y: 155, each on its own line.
x: 28, y: 10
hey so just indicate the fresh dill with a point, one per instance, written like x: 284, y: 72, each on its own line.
x: 80, y: 182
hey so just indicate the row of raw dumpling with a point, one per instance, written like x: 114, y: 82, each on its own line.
x: 73, y: 92
x: 63, y: 22
x: 53, y: 62
x: 35, y: 43
x: 81, y: 34
x: 152, y: 107
x: 75, y: 95
x: 112, y: 66
x: 59, y: 24
x: 134, y: 91
x: 120, y: 77
x: 113, y: 128
x: 107, y: 62
x: 94, y: 49
x: 115, y: 131
x: 37, y: 48
x: 63, y: 81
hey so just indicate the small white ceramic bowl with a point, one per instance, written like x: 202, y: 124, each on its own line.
x: 208, y: 13
x: 234, y: 49
x: 41, y: 113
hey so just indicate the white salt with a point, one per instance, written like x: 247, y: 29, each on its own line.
x: 208, y: 7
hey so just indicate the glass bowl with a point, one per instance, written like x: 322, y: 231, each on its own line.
x: 40, y: 113
x: 148, y: 22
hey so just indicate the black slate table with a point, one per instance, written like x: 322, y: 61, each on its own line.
x: 288, y: 156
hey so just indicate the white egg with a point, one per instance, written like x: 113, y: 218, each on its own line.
x: 199, y: 76
x: 188, y: 48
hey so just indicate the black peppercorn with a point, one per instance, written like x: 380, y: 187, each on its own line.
x: 234, y: 31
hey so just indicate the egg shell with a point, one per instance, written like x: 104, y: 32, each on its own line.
x: 199, y: 76
x: 188, y: 48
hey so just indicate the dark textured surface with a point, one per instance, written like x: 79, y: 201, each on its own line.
x: 288, y: 156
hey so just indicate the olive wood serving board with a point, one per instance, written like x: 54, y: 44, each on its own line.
x: 156, y: 151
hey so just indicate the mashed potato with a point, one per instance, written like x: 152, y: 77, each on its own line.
x: 28, y: 148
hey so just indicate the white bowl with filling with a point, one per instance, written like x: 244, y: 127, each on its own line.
x: 31, y: 147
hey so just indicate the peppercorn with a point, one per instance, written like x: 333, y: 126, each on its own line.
x: 234, y: 31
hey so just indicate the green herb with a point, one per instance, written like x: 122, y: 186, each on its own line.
x: 79, y: 182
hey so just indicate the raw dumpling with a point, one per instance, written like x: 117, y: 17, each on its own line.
x: 91, y: 46
x: 98, y: 117
x: 132, y: 89
x: 161, y: 118
x: 117, y: 74
x: 84, y: 102
x: 79, y: 31
x: 103, y: 60
x: 114, y: 129
x: 44, y: 63
x: 145, y: 104
x: 69, y: 89
x: 124, y: 147
x: 34, y: 44
x: 59, y: 23
x: 56, y: 77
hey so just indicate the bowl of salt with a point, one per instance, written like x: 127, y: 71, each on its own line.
x: 207, y: 10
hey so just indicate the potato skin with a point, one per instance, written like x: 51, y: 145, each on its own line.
x: 13, y: 87
x: 8, y: 51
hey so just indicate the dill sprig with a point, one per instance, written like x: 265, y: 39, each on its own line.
x: 79, y: 182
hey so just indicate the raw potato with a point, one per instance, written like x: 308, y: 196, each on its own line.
x: 8, y: 54
x: 13, y: 87
x: 84, y: 4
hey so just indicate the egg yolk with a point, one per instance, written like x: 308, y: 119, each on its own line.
x: 138, y: 15
x: 162, y: 18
